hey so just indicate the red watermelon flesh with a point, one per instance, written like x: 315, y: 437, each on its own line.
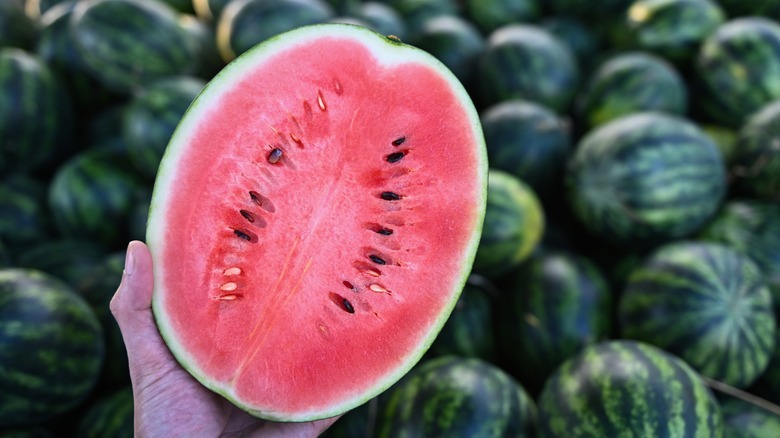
x: 314, y: 219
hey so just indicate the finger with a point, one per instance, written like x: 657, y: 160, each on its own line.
x: 132, y: 308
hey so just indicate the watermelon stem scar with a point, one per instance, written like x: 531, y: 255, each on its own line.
x: 296, y: 231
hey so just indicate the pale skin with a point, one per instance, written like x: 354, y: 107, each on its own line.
x: 169, y: 402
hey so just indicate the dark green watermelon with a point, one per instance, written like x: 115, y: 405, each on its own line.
x: 359, y: 422
x: 706, y: 303
x: 245, y: 23
x: 528, y: 141
x: 109, y: 417
x: 747, y: 420
x: 452, y: 396
x: 557, y: 304
x: 92, y: 194
x: 124, y: 44
x: 416, y: 12
x: 645, y: 178
x: 453, y: 41
x: 756, y: 164
x: 527, y: 62
x: 489, y: 15
x: 16, y: 28
x: 627, y: 388
x: 631, y: 82
x: 751, y: 227
x: 24, y: 219
x: 738, y: 69
x: 672, y: 29
x: 51, y: 348
x: 152, y: 115
x: 383, y: 19
x: 203, y: 44
x: 582, y: 39
x: 67, y: 259
x: 736, y: 8
x: 586, y: 8
x: 469, y: 330
x: 768, y: 385
x: 725, y: 139
x: 35, y: 123
x: 513, y: 226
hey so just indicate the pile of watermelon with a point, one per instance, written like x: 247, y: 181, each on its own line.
x: 627, y: 280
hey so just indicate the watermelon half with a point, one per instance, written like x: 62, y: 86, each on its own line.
x: 314, y: 219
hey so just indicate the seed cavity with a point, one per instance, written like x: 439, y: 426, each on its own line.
x: 261, y: 201
x: 337, y: 86
x: 376, y: 259
x: 229, y: 286
x: 247, y: 215
x: 275, y: 155
x: 227, y: 297
x: 399, y: 141
x: 245, y: 235
x: 321, y: 101
x: 348, y: 285
x: 390, y: 196
x: 297, y: 140
x: 235, y: 270
x: 395, y: 157
x: 306, y: 108
x: 385, y: 231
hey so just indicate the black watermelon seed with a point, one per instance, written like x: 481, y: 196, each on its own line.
x: 390, y: 196
x: 274, y: 156
x: 385, y: 231
x: 376, y: 259
x: 395, y: 157
x: 242, y: 235
x: 247, y: 215
x: 347, y: 305
x: 255, y: 197
x: 399, y: 141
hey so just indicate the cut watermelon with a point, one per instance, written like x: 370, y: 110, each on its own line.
x: 314, y: 219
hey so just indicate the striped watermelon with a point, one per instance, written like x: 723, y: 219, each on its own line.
x: 757, y: 154
x: 527, y: 62
x: 738, y: 69
x: 514, y: 224
x: 66, y: 259
x: 383, y: 19
x: 735, y: 8
x: 51, y: 348
x: 35, y: 124
x: 24, y: 219
x: 528, y: 141
x: 672, y: 29
x: 631, y: 82
x: 16, y: 28
x: 706, y: 303
x: 582, y: 39
x: 558, y: 303
x: 455, y: 42
x: 489, y: 15
x: 751, y: 227
x: 91, y: 195
x: 645, y: 178
x: 768, y: 385
x: 627, y: 388
x: 109, y: 417
x: 151, y: 117
x: 452, y: 396
x: 746, y: 420
x: 127, y: 43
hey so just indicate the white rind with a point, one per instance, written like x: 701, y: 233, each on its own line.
x: 388, y: 52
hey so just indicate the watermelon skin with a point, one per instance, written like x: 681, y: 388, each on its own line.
x: 736, y: 8
x: 489, y: 15
x: 383, y: 19
x: 345, y: 275
x: 110, y: 416
x: 528, y: 141
x: 66, y: 259
x: 246, y: 23
x: 16, y: 28
x: 706, y: 303
x: 768, y: 385
x: 455, y: 42
x: 23, y: 202
x: 124, y: 44
x: 151, y: 117
x: 51, y: 348
x: 452, y: 396
x: 757, y: 157
x: 585, y: 8
x: 645, y: 178
x: 92, y: 195
x: 621, y: 388
x: 34, y: 113
x: 672, y: 29
x: 746, y: 420
x: 752, y: 227
x: 513, y: 227
x: 527, y: 62
x: 738, y: 69
x: 631, y: 82
x: 582, y: 39
x: 557, y: 304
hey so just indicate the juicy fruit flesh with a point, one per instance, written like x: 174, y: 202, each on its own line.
x: 319, y: 210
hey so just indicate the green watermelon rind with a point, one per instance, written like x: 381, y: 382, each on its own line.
x: 395, y: 52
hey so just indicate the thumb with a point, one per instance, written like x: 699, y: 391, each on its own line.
x: 147, y: 354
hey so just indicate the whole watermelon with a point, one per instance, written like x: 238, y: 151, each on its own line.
x: 51, y: 348
x: 623, y: 388
x: 452, y: 396
x: 756, y: 164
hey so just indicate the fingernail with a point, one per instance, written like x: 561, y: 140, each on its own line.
x: 129, y: 261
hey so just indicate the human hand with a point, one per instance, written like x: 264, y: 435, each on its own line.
x: 168, y: 401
